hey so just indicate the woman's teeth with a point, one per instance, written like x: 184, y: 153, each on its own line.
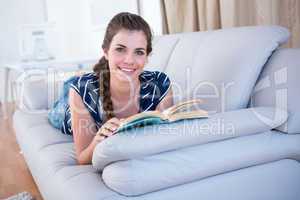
x: 126, y: 69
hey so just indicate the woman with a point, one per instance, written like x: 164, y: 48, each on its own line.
x: 118, y: 87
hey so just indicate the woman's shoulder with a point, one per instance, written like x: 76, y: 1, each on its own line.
x: 84, y: 82
x: 154, y: 86
x: 150, y: 76
x: 86, y: 78
x: 152, y: 80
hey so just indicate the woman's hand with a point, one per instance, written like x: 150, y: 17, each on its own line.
x: 107, y: 129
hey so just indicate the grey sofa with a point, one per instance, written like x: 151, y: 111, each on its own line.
x: 249, y: 147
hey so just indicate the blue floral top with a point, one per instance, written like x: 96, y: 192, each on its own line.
x: 154, y: 86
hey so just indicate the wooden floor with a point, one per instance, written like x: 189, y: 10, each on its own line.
x: 15, y: 177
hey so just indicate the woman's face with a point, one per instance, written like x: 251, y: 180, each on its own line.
x: 127, y: 55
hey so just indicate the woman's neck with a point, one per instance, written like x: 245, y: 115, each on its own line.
x: 124, y: 91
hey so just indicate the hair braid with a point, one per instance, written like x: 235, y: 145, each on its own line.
x: 102, y: 70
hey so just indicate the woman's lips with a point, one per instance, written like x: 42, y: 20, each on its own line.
x: 127, y: 70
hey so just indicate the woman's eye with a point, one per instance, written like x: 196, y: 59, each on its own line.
x: 140, y: 53
x: 120, y: 49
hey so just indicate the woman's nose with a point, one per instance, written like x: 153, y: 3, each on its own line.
x: 129, y: 58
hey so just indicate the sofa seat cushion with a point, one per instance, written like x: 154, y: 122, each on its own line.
x: 34, y: 131
x: 155, y: 139
x: 257, y: 182
x: 60, y: 177
x: 28, y: 120
x: 198, y: 162
x: 58, y: 162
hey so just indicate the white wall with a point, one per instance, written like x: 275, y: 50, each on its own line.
x: 101, y: 12
x: 79, y: 28
x: 82, y: 23
x: 72, y: 23
x: 79, y: 24
x: 150, y: 10
x: 13, y: 14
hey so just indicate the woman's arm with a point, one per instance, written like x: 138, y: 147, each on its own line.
x: 167, y: 101
x: 85, y: 133
x: 84, y: 129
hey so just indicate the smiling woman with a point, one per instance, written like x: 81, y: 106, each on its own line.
x: 94, y: 104
x: 126, y: 57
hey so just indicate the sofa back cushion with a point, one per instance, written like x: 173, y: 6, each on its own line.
x: 32, y: 92
x: 278, y: 86
x: 220, y: 67
x: 38, y: 89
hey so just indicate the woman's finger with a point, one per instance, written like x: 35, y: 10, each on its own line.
x: 104, y: 131
x: 114, y: 120
x: 111, y: 126
x: 100, y: 138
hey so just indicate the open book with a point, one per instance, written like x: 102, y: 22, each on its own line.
x: 174, y: 113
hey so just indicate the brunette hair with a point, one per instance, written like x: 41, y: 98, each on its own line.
x: 127, y: 21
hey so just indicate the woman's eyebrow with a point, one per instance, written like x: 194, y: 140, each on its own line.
x: 121, y: 45
x: 140, y: 49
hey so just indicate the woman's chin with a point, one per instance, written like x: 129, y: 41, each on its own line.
x: 124, y: 78
x: 127, y: 76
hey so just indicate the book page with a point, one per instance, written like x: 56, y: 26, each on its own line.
x: 143, y: 115
x: 188, y: 115
x: 182, y: 105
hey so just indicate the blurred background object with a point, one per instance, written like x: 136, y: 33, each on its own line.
x: 203, y: 15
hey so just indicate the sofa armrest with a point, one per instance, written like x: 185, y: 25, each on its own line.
x: 278, y: 86
x: 155, y: 139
